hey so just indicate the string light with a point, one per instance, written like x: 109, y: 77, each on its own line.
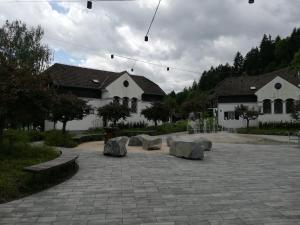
x: 156, y: 64
x: 151, y: 23
x: 113, y: 56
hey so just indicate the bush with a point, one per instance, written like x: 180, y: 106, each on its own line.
x: 131, y: 125
x: 88, y: 137
x: 14, y: 136
x: 59, y: 139
x: 23, y: 136
x: 14, y: 182
x: 279, y: 125
x: 269, y: 131
x: 179, y: 126
x: 35, y: 135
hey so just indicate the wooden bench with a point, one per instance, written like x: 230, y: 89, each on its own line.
x: 65, y: 159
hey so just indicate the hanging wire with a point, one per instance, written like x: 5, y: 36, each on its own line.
x: 124, y: 57
x: 153, y: 18
x: 132, y: 68
x: 61, y: 1
x: 157, y: 64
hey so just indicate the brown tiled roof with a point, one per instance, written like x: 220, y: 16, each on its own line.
x: 74, y: 76
x: 242, y: 85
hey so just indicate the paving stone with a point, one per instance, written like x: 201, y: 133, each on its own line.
x: 236, y: 184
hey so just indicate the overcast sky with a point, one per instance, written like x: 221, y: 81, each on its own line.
x: 188, y: 34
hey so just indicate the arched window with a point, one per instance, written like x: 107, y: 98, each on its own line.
x: 125, y: 102
x: 278, y: 109
x: 134, y: 105
x: 289, y: 105
x: 267, y: 106
x: 116, y: 100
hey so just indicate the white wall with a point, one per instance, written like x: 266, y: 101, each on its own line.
x: 116, y: 88
x: 225, y: 107
x: 287, y: 91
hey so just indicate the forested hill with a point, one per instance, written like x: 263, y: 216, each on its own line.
x: 271, y: 54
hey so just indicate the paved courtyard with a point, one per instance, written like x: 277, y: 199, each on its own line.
x: 236, y: 184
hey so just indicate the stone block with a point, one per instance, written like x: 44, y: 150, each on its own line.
x: 116, y: 147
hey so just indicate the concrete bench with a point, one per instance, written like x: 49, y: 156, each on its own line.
x: 65, y: 159
x: 189, y: 147
x: 206, y: 143
x: 136, y: 141
x: 151, y: 143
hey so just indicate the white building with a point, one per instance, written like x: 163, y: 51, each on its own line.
x: 272, y: 94
x: 99, y: 88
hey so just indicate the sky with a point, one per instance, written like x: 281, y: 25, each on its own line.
x: 189, y: 35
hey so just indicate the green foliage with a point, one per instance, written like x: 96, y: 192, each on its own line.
x: 196, y: 103
x: 280, y: 125
x: 166, y: 128
x: 131, y: 125
x: 59, y: 139
x: 15, y: 136
x: 23, y: 136
x: 35, y: 135
x: 267, y: 131
x: 23, y: 92
x: 296, y: 61
x: 67, y: 107
x: 246, y: 114
x: 157, y: 112
x: 14, y: 182
x: 238, y: 64
x: 81, y: 138
x: 114, y: 112
x: 270, y: 55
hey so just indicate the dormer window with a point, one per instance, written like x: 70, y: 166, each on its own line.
x: 95, y: 81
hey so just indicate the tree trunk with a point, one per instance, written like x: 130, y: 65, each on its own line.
x: 64, y: 127
x: 2, y: 126
x: 155, y: 123
x: 1, y: 134
x: 247, y: 124
x: 171, y: 117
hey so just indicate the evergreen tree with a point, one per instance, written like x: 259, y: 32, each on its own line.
x: 252, y: 62
x: 267, y: 48
x: 238, y: 64
x: 296, y: 61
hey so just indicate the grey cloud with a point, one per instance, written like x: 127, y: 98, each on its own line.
x: 190, y: 34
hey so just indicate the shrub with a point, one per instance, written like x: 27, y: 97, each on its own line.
x: 88, y: 137
x: 35, y: 135
x: 167, y: 128
x: 14, y: 136
x: 14, y: 182
x: 279, y: 125
x: 261, y: 131
x: 59, y: 139
x: 131, y: 125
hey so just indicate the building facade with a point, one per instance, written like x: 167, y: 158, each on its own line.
x: 99, y: 88
x: 273, y: 95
